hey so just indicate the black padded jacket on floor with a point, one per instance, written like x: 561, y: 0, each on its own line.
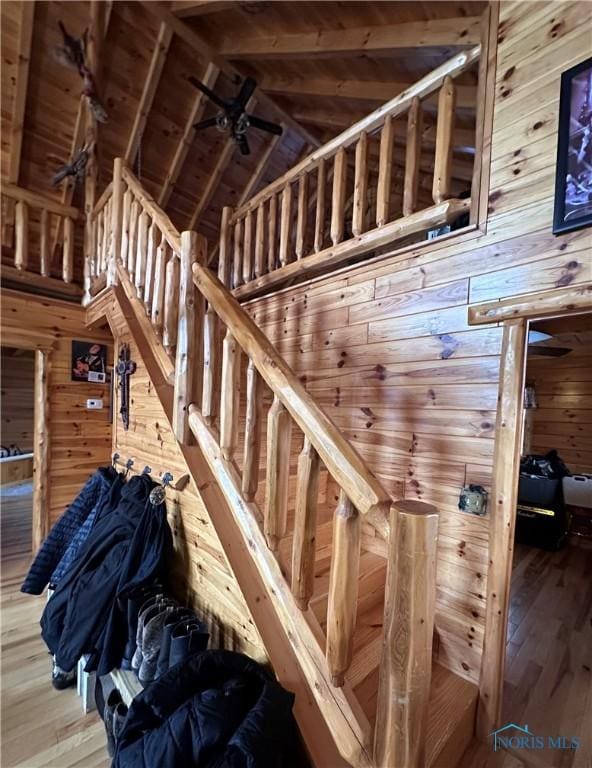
x: 127, y: 548
x: 217, y: 709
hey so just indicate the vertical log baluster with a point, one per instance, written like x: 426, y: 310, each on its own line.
x: 91, y: 266
x: 305, y: 525
x: 412, y: 157
x: 320, y: 211
x: 279, y: 431
x: 154, y: 237
x: 210, y: 366
x: 157, y: 313
x: 68, y: 251
x: 229, y: 400
x: 106, y: 237
x: 224, y: 248
x: 116, y: 221
x: 260, y: 241
x: 237, y: 260
x: 248, y: 249
x: 21, y: 224
x: 444, y: 131
x: 285, y: 222
x: 406, y: 664
x: 133, y: 237
x: 360, y: 186
x: 301, y: 221
x: 125, y: 226
x: 385, y: 172
x: 252, y: 449
x: 141, y: 254
x: 338, y: 199
x: 343, y: 589
x: 44, y: 265
x: 171, y: 305
x: 272, y: 234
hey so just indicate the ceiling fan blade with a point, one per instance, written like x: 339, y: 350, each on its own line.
x: 246, y: 91
x: 264, y: 125
x: 243, y: 144
x: 210, y: 94
x: 208, y: 123
x: 538, y: 351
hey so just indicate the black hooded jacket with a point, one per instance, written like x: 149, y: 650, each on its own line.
x: 217, y: 709
x: 127, y: 548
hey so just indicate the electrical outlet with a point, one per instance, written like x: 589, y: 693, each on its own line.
x: 94, y: 405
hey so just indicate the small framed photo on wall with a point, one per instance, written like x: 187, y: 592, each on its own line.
x: 89, y: 362
x: 573, y: 180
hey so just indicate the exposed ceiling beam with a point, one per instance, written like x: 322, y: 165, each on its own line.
x: 463, y: 31
x: 19, y: 102
x: 213, y: 180
x: 197, y: 110
x: 185, y: 8
x: 260, y: 169
x: 201, y: 46
x: 466, y: 95
x: 163, y: 41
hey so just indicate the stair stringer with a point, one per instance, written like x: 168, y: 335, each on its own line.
x: 113, y: 304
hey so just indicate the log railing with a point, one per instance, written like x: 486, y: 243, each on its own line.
x: 28, y: 221
x: 235, y: 395
x: 350, y: 197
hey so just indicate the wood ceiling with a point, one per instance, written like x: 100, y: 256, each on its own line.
x: 321, y: 66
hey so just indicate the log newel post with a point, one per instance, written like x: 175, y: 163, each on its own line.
x: 116, y: 223
x: 406, y: 664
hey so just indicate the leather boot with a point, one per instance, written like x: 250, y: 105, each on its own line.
x: 113, y: 701
x: 187, y: 638
x: 171, y: 621
x: 151, y: 644
x: 154, y: 607
x: 135, y: 601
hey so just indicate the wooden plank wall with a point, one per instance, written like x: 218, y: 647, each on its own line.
x: 201, y: 575
x: 17, y: 392
x: 561, y: 421
x: 80, y: 440
x: 386, y: 347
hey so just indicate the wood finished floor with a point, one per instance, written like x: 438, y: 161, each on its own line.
x: 41, y: 727
x: 548, y: 683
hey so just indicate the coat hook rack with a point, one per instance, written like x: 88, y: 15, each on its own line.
x: 166, y: 478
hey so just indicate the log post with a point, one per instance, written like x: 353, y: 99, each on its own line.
x: 21, y: 224
x: 153, y: 239
x: 237, y: 258
x: 360, y: 185
x: 272, y: 234
x: 285, y: 222
x: 319, y: 236
x: 260, y: 241
x: 385, y: 168
x: 305, y: 525
x: 125, y: 226
x: 210, y: 366
x: 301, y: 221
x: 133, y: 237
x: 406, y: 664
x: 252, y: 447
x: 157, y: 312
x: 41, y: 450
x: 68, y: 251
x: 116, y: 221
x: 229, y: 400
x: 444, y: 135
x: 338, y: 199
x: 279, y: 432
x: 412, y: 157
x: 44, y: 256
x: 343, y: 589
x: 248, y: 249
x: 171, y: 305
x: 224, y: 249
x: 188, y: 335
x: 141, y: 254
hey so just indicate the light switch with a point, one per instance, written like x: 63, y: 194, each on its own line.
x: 94, y: 405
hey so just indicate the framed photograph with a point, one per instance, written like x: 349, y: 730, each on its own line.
x: 89, y: 362
x: 573, y: 180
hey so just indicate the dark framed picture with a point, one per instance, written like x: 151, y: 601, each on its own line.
x: 573, y: 180
x: 89, y: 362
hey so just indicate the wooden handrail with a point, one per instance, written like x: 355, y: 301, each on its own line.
x: 396, y: 106
x: 341, y: 459
x: 152, y: 208
x: 35, y: 200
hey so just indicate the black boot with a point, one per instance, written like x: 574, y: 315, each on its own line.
x: 177, y: 616
x: 113, y: 701
x: 153, y: 608
x: 187, y: 638
x: 60, y: 679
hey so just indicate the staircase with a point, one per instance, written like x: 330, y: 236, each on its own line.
x: 367, y: 693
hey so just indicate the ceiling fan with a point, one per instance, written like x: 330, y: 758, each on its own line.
x: 233, y: 116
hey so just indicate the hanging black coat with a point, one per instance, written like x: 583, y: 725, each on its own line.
x: 126, y: 549
x: 218, y: 709
x: 92, y: 496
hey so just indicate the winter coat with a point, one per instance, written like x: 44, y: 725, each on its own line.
x: 217, y: 709
x: 94, y: 492
x: 126, y: 549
